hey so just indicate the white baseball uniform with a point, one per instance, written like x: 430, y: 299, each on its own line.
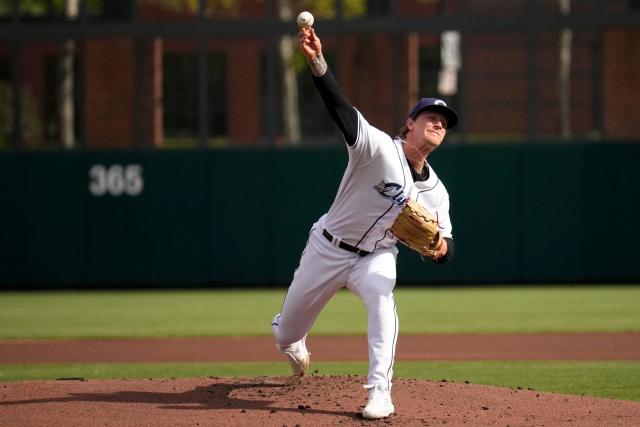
x: 376, y: 182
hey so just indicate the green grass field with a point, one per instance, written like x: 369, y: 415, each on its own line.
x: 109, y: 314
x: 249, y: 312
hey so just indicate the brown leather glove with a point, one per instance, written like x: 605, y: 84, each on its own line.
x: 418, y: 229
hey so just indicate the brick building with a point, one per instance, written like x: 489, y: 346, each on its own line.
x: 143, y: 91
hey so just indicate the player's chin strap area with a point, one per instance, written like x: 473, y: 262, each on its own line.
x: 343, y: 245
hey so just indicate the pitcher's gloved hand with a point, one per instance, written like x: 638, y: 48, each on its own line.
x: 418, y: 229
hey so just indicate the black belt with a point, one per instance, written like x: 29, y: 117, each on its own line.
x: 343, y: 245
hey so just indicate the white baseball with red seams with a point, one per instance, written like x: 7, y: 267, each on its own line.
x: 305, y: 19
x: 376, y: 182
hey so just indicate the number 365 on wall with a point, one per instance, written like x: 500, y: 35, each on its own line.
x: 116, y: 180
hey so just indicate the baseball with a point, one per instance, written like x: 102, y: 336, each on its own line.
x: 305, y: 19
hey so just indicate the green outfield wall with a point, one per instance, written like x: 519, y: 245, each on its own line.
x: 521, y: 213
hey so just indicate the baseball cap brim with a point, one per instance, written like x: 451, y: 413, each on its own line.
x: 432, y: 104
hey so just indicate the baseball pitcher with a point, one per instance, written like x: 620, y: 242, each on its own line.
x: 388, y: 193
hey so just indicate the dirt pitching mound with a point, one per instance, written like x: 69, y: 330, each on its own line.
x: 279, y: 401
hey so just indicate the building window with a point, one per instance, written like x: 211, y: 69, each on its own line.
x: 180, y: 86
x: 429, y: 67
x: 51, y: 102
x: 179, y: 91
x: 217, y: 63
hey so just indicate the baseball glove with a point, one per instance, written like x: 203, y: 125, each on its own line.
x: 417, y: 229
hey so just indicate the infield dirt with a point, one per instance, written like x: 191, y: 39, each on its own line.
x: 311, y: 401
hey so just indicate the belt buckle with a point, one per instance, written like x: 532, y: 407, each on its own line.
x: 336, y: 242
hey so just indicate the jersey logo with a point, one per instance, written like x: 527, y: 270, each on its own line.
x: 392, y: 191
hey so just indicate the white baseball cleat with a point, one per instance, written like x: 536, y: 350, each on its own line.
x: 298, y: 356
x: 379, y: 404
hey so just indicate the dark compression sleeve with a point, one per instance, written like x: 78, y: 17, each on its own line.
x: 450, y: 250
x: 339, y: 108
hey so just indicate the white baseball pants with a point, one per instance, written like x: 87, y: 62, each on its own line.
x: 323, y: 270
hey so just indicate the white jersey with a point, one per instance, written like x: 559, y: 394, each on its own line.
x: 376, y: 182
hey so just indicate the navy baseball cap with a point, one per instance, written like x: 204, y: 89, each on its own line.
x: 438, y: 105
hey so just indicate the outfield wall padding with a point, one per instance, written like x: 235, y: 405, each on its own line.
x: 522, y: 213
